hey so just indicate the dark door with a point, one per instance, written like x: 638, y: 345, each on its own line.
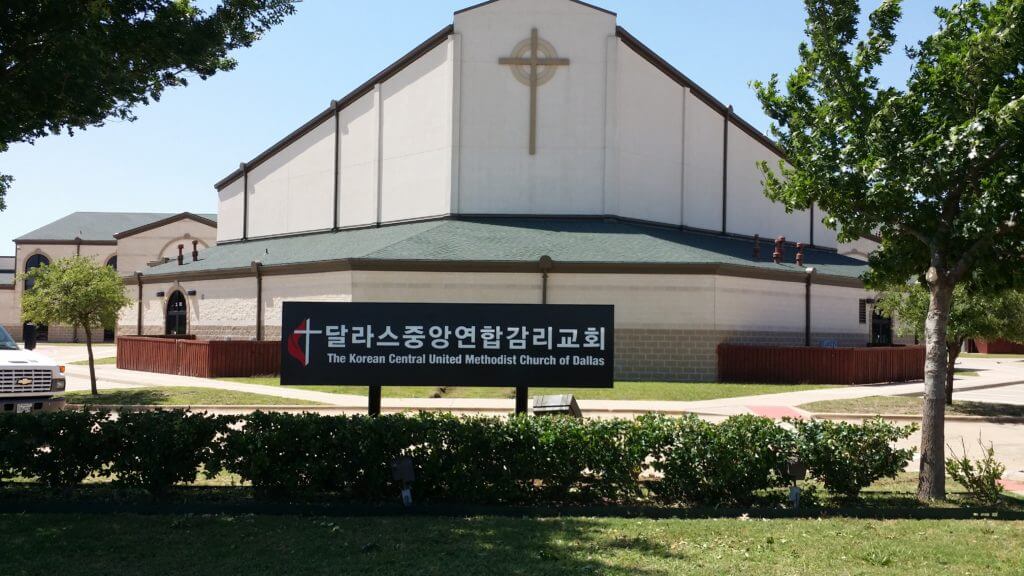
x: 177, y: 315
x: 881, y: 330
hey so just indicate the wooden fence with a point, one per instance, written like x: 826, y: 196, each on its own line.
x: 740, y: 363
x: 995, y: 347
x: 200, y: 358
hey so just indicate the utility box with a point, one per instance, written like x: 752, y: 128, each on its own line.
x: 557, y: 404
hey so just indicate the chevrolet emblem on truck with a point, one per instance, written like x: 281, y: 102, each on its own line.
x: 25, y: 382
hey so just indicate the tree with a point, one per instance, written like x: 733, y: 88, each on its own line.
x: 71, y: 65
x: 934, y: 168
x: 972, y: 315
x: 75, y: 291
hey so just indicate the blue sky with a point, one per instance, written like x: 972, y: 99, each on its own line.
x: 169, y: 159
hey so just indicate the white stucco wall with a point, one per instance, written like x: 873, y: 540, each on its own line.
x: 417, y: 138
x: 293, y: 190
x: 359, y: 124
x: 10, y: 312
x: 649, y: 140
x: 440, y: 287
x: 326, y: 287
x: 230, y: 207
x: 702, y: 204
x: 651, y: 301
x: 497, y: 174
x: 749, y: 210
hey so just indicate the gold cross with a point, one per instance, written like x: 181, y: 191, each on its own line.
x: 533, y: 63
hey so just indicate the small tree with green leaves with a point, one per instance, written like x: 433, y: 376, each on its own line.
x: 973, y: 315
x: 933, y: 167
x: 75, y: 291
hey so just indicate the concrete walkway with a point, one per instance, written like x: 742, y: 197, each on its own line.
x: 998, y: 380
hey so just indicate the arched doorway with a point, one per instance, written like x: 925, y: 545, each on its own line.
x: 35, y: 261
x: 177, y: 314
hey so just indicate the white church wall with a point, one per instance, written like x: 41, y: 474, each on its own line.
x: 702, y: 204
x: 135, y: 252
x: 230, y: 209
x: 446, y: 287
x: 759, y: 305
x: 417, y: 138
x: 822, y: 235
x: 293, y: 190
x: 835, y: 310
x: 650, y: 141
x: 642, y: 301
x: 497, y: 173
x: 10, y: 310
x: 324, y: 287
x: 359, y: 125
x: 749, y: 211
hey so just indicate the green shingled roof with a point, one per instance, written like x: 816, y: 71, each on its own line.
x: 511, y: 240
x: 96, y: 226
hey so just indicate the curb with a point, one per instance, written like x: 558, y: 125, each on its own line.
x: 915, y: 418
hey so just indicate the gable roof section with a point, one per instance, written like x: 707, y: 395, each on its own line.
x: 93, y: 227
x: 208, y: 219
x: 514, y: 244
x: 435, y: 40
x: 487, y: 2
x: 399, y: 65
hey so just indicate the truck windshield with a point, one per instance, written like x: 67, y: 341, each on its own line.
x: 6, y: 342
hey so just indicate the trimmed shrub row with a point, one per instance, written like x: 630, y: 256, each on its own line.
x: 519, y: 460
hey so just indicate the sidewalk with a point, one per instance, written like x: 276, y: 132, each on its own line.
x: 994, y: 377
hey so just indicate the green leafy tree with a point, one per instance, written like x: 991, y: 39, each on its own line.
x: 75, y: 291
x: 67, y: 65
x: 934, y: 167
x: 999, y: 315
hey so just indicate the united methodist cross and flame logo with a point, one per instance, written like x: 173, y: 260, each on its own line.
x: 298, y: 342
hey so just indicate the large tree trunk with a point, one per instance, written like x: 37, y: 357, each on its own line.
x: 932, y: 481
x: 953, y: 354
x: 92, y: 362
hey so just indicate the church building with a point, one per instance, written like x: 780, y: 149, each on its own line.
x: 122, y: 240
x: 533, y: 151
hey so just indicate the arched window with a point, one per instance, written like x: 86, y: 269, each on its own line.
x: 112, y: 262
x: 34, y: 261
x: 177, y: 314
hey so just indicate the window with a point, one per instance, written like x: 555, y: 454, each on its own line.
x: 112, y: 262
x: 177, y: 314
x: 34, y: 261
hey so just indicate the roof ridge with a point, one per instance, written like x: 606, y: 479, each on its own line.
x: 435, y: 225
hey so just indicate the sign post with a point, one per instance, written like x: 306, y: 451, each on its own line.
x: 450, y: 345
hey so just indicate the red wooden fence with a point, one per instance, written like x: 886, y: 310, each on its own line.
x: 200, y: 358
x: 996, y: 347
x: 740, y: 363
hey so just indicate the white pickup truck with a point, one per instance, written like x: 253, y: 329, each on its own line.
x: 28, y: 381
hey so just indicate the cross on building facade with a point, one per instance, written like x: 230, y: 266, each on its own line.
x: 534, y: 62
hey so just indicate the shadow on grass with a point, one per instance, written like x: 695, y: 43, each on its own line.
x: 120, y: 398
x: 987, y: 409
x: 108, y: 499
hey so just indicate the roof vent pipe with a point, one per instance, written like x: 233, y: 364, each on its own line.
x: 800, y: 254
x: 181, y: 254
x: 195, y: 250
x: 757, y: 247
x: 778, y: 254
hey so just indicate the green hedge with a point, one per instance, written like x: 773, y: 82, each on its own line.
x: 518, y: 460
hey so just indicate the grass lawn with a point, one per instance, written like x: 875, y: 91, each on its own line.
x: 1007, y: 356
x: 256, y: 545
x: 99, y: 361
x: 687, y: 391
x: 174, y: 396
x: 910, y: 405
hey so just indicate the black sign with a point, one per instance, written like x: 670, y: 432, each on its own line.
x: 505, y: 345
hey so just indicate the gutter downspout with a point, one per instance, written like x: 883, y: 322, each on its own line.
x: 257, y: 268
x: 807, y: 307
x: 138, y: 279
